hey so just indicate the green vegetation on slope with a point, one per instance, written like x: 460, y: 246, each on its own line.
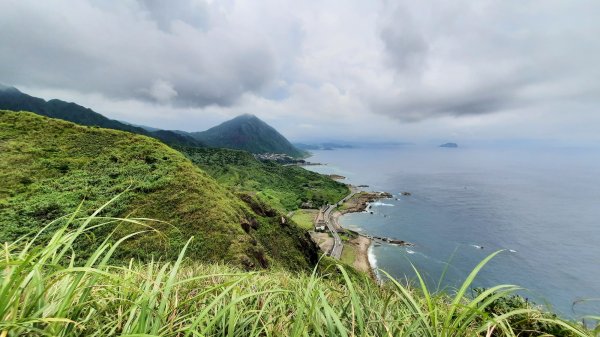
x: 285, y: 187
x: 42, y: 294
x: 47, y: 167
x: 348, y: 254
x: 13, y: 99
x: 248, y: 133
x: 305, y: 218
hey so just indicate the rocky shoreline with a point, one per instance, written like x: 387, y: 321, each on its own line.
x: 359, y: 202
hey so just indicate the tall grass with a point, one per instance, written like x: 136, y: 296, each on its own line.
x: 46, y: 290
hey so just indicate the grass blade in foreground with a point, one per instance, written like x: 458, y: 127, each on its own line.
x: 44, y: 291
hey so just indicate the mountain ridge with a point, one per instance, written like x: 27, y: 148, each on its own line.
x: 13, y: 99
x: 249, y: 133
x: 244, y: 132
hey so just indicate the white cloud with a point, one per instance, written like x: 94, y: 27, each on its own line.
x: 401, y: 70
x: 119, y: 48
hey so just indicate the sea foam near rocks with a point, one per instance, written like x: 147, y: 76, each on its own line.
x: 379, y: 203
x: 373, y: 262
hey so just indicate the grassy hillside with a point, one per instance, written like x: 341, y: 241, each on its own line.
x: 48, y: 166
x: 248, y: 133
x: 286, y: 187
x: 43, y: 295
x: 15, y: 100
x: 69, y: 278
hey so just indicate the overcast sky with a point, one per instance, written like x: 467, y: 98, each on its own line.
x: 388, y: 70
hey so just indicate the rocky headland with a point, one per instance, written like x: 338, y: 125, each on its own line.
x: 360, y: 201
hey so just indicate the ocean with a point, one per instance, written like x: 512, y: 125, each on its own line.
x: 540, y: 206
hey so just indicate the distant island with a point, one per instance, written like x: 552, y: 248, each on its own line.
x: 452, y: 145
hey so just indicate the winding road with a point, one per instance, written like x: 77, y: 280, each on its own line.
x: 336, y: 251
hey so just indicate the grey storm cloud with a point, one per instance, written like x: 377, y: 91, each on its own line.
x: 307, y: 62
x: 150, y: 50
x: 477, y: 57
x: 405, y: 44
x: 164, y: 13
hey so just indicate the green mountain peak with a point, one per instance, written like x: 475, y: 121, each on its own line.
x: 249, y: 133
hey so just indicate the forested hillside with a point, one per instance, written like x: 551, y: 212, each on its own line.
x: 286, y: 187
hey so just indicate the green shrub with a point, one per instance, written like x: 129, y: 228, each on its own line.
x: 531, y: 323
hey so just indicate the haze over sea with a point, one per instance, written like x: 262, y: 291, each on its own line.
x: 541, y: 205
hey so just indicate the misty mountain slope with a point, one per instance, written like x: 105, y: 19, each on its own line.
x: 48, y: 167
x: 13, y: 99
x: 248, y: 133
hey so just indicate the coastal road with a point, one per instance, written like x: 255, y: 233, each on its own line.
x: 336, y: 251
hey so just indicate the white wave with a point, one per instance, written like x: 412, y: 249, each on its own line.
x: 410, y: 251
x: 379, y: 203
x: 373, y: 262
x: 512, y: 250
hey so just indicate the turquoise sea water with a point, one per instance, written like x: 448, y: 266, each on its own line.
x: 541, y: 206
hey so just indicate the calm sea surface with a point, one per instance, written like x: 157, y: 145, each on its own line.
x: 541, y: 206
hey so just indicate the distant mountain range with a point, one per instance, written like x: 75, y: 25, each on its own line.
x: 249, y: 133
x: 323, y: 146
x: 245, y: 132
x: 336, y: 145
